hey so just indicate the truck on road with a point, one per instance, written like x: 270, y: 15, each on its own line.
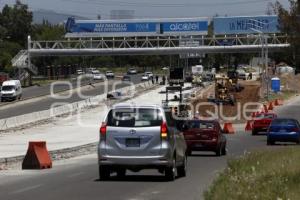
x: 176, y: 76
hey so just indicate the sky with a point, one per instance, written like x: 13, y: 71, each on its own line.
x: 152, y: 8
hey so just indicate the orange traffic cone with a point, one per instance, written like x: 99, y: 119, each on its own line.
x: 228, y: 128
x: 249, y: 125
x: 265, y: 109
x: 278, y: 102
x: 270, y: 107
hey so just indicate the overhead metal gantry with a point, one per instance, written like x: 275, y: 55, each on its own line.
x: 156, y: 45
x: 178, y: 45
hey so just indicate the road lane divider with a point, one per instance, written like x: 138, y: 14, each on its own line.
x: 37, y: 156
x: 278, y: 102
x: 270, y: 106
x: 228, y: 128
x: 67, y: 108
x: 249, y: 125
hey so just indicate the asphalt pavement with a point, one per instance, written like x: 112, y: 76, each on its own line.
x: 21, y: 108
x: 78, y: 178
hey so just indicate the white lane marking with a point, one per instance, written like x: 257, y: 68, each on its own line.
x: 26, y: 189
x: 76, y: 174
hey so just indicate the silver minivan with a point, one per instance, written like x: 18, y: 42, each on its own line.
x: 140, y: 137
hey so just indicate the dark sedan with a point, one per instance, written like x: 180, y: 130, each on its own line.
x: 284, y: 130
x: 126, y: 78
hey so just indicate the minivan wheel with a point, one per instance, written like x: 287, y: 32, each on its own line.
x: 181, y: 170
x: 170, y: 172
x: 104, y: 173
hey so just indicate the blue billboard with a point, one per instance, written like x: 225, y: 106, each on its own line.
x: 120, y: 28
x: 245, y: 25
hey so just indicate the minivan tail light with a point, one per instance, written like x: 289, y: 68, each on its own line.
x: 103, y: 130
x: 164, y: 130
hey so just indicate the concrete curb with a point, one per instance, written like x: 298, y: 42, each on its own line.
x: 21, y: 120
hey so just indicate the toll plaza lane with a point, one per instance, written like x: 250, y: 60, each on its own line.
x: 45, y: 103
x: 78, y: 178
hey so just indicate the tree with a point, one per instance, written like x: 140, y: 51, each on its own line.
x: 15, y: 26
x: 289, y: 23
x: 47, y: 31
x: 17, y: 21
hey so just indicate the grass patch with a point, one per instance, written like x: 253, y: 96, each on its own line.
x: 285, y: 95
x: 267, y: 174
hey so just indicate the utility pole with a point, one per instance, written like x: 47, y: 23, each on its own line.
x: 267, y: 65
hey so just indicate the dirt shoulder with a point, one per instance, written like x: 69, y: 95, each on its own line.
x: 249, y: 94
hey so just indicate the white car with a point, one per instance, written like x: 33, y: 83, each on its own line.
x: 145, y: 77
x: 132, y: 71
x: 109, y: 74
x: 79, y: 72
x: 242, y: 74
x: 98, y: 76
x: 150, y: 74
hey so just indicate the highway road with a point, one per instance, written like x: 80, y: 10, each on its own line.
x: 19, y: 108
x: 78, y: 178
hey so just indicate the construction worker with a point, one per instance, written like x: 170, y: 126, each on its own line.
x: 250, y: 76
x: 164, y: 80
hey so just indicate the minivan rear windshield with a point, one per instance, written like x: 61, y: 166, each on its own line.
x: 8, y: 87
x: 134, y: 117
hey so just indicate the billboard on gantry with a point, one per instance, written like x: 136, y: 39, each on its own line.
x: 246, y: 25
x: 134, y: 27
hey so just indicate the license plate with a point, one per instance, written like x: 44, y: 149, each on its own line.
x: 133, y: 142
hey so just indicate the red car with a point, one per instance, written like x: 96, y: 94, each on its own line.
x: 204, y: 135
x: 262, y: 122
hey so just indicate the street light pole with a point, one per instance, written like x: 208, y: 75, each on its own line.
x: 264, y: 56
x: 267, y: 66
